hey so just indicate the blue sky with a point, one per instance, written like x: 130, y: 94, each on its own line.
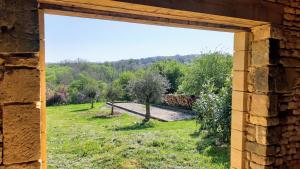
x: 69, y: 38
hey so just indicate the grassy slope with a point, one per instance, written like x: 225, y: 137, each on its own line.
x: 76, y: 139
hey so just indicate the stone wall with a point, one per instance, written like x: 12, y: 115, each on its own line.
x: 273, y: 102
x: 19, y: 85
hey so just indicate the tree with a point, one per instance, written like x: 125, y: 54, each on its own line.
x: 148, y: 88
x: 172, y: 70
x: 215, y: 67
x: 123, y: 80
x: 91, y: 91
x: 84, y: 89
x: 113, y: 92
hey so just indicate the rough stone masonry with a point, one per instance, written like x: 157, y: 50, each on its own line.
x: 19, y: 85
x: 273, y: 101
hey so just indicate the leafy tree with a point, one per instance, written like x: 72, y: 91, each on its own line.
x: 91, y: 91
x: 123, y: 80
x: 148, y: 88
x: 172, y: 70
x: 215, y: 67
x: 113, y: 92
x: 84, y: 89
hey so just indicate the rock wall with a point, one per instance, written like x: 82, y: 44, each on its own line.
x: 272, y: 128
x: 19, y: 85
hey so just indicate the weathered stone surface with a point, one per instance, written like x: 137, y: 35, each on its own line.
x: 263, y: 121
x: 21, y: 131
x: 267, y: 135
x: 239, y: 101
x: 262, y: 160
x: 259, y: 149
x: 241, y: 41
x: 20, y: 60
x: 239, y: 81
x: 265, y: 32
x: 237, y: 139
x: 30, y: 165
x: 264, y: 105
x: 19, y: 26
x: 240, y: 60
x: 258, y: 166
x: 236, y: 160
x: 261, y: 79
x: 238, y: 120
x: 260, y: 53
x: 20, y: 85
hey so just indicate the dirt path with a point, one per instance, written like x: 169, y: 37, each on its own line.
x: 156, y: 112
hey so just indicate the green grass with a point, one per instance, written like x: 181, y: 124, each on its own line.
x: 78, y: 139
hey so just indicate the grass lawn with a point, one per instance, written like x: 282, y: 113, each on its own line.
x: 78, y: 139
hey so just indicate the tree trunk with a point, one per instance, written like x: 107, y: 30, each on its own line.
x: 147, y: 117
x: 92, y: 103
x: 112, y: 108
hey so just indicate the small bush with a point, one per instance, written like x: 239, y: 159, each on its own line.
x: 214, y: 110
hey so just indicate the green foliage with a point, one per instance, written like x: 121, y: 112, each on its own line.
x: 149, y: 87
x: 113, y: 91
x: 83, y: 89
x: 172, y: 70
x: 214, y: 110
x: 123, y: 81
x: 215, y: 66
x: 57, y: 75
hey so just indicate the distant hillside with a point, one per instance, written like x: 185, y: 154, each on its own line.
x: 134, y: 64
x: 126, y: 64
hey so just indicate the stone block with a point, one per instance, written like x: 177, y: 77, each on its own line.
x: 264, y: 105
x: 30, y: 165
x: 21, y: 60
x: 263, y: 121
x: 21, y: 131
x: 239, y: 82
x: 260, y: 53
x: 267, y: 135
x: 238, y: 120
x: 241, y: 41
x: 239, y: 101
x: 236, y: 159
x: 19, y: 26
x: 258, y: 166
x: 240, y: 60
x: 262, y: 160
x: 237, y: 139
x: 20, y: 85
x: 266, y: 31
x: 262, y: 81
x: 262, y: 150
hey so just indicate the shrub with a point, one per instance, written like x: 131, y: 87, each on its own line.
x: 214, y: 110
x: 57, y: 96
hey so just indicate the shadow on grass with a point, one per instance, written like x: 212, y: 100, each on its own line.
x: 136, y: 126
x: 80, y: 110
x: 195, y: 134
x: 219, y: 154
